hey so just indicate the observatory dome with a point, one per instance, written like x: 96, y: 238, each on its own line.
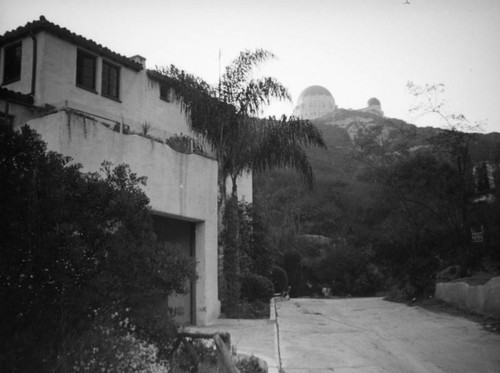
x: 373, y: 101
x: 314, y: 102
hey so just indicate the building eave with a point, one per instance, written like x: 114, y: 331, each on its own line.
x: 63, y: 33
x: 16, y: 97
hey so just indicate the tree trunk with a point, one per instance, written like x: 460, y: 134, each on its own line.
x: 230, y: 243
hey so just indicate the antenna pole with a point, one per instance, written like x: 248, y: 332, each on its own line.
x: 219, y: 69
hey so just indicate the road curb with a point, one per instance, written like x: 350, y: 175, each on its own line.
x: 274, y: 316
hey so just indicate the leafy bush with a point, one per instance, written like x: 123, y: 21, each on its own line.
x: 250, y: 310
x: 110, y: 345
x: 256, y: 287
x: 185, y: 144
x: 280, y: 279
x: 294, y: 267
x: 73, y: 245
x: 346, y: 270
x: 249, y: 365
x: 206, y: 355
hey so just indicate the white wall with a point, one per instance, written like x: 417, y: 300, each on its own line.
x: 482, y: 299
x: 56, y: 86
x: 139, y: 96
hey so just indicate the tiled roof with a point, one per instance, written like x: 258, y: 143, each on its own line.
x: 17, y: 97
x: 153, y: 74
x: 43, y: 25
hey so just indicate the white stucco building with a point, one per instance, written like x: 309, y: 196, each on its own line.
x: 93, y: 104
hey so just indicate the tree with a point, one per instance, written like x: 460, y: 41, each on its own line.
x: 454, y: 143
x: 74, y: 247
x: 225, y: 117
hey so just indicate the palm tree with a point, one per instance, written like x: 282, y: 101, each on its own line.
x: 225, y: 117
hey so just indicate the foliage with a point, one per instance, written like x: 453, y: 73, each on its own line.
x: 205, y: 351
x: 185, y: 144
x: 75, y: 245
x: 400, y: 192
x: 255, y: 259
x: 422, y: 198
x: 225, y: 117
x: 256, y: 287
x: 346, y: 270
x: 245, y: 237
x: 258, y: 253
x: 249, y: 365
x: 294, y: 267
x: 206, y: 359
x: 230, y: 240
x: 280, y: 279
x: 145, y: 127
x: 110, y: 345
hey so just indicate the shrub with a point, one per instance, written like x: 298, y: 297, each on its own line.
x: 72, y: 244
x: 256, y: 287
x: 280, y: 279
x: 185, y: 144
x: 110, y: 345
x: 250, y: 364
x: 294, y: 267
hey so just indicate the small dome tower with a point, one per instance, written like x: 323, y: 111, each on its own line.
x: 374, y: 107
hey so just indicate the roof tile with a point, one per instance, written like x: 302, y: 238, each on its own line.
x: 43, y: 24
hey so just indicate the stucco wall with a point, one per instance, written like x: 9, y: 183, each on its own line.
x: 139, y: 96
x: 482, y: 299
x: 56, y: 85
x: 179, y: 185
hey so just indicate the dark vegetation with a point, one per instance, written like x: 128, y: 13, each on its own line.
x: 391, y: 207
x: 83, y: 281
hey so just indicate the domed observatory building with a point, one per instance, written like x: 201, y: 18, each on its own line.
x: 314, y: 102
x: 374, y: 107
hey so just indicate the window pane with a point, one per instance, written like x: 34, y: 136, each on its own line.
x: 110, y: 80
x: 85, y: 70
x: 164, y: 91
x: 12, y: 64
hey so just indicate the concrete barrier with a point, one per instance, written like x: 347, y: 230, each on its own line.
x: 481, y: 299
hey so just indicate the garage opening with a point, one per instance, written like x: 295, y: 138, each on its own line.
x: 180, y: 235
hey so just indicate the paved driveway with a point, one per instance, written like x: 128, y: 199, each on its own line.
x: 372, y: 335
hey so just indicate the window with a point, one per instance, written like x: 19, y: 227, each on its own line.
x: 6, y: 119
x: 110, y: 80
x: 12, y: 63
x: 481, y: 178
x: 164, y: 92
x: 85, y: 70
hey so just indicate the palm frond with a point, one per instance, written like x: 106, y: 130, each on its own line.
x: 226, y: 119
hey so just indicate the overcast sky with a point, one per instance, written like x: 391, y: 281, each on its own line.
x: 357, y: 49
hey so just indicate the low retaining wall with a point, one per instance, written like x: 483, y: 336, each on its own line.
x: 482, y: 299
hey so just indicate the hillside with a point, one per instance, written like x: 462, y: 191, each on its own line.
x: 355, y: 198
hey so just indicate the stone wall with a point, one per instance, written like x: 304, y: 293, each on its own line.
x: 481, y: 299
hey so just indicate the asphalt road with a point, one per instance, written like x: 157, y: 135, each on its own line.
x: 372, y: 335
